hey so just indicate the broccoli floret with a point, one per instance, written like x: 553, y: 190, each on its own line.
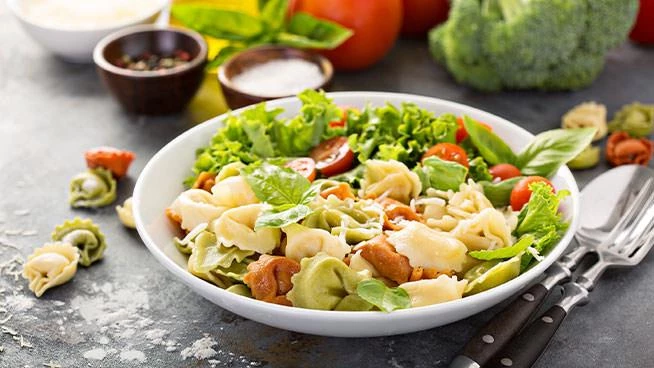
x: 530, y: 44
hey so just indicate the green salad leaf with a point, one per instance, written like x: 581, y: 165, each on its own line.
x: 440, y: 174
x: 506, y: 252
x: 381, y: 296
x: 491, y: 147
x: 273, y: 13
x: 478, y: 170
x: 499, y: 193
x: 552, y: 149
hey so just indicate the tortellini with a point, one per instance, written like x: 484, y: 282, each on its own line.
x: 92, y: 188
x: 465, y: 203
x: 428, y: 248
x: 356, y: 221
x: 83, y: 234
x: 125, y: 214
x: 358, y: 263
x: 390, y: 178
x: 215, y: 258
x: 587, y: 115
x: 302, y: 242
x: 51, y: 265
x: 439, y: 290
x: 235, y: 227
x: 269, y: 278
x: 233, y: 191
x: 326, y: 283
x: 486, y: 230
x: 196, y: 206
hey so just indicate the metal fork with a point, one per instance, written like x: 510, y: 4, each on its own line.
x: 621, y: 249
x: 491, y: 338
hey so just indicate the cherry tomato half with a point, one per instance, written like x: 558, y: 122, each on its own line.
x: 448, y: 152
x: 521, y: 193
x: 333, y: 156
x: 304, y: 166
x: 462, y: 133
x: 504, y: 171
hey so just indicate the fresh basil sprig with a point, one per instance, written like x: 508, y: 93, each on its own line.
x: 491, y: 147
x: 269, y: 27
x: 288, y: 192
x: 499, y: 193
x: 381, y: 296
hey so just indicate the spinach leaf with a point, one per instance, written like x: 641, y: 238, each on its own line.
x: 491, y: 147
x: 273, y: 12
x: 381, y: 296
x: 552, y: 149
x: 506, y: 252
x: 306, y: 31
x: 441, y: 174
x: 500, y: 193
x: 218, y: 23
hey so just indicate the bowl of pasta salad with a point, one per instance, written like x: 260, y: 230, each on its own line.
x: 359, y: 214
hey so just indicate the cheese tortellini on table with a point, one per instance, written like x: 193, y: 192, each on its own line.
x: 51, y: 265
x: 92, y: 188
x: 85, y: 236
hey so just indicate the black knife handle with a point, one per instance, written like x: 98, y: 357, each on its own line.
x: 490, y: 339
x: 527, y: 347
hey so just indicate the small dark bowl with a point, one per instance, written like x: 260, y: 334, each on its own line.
x: 152, y: 92
x: 242, y: 61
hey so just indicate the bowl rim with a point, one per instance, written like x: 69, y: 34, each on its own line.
x: 326, y: 68
x: 15, y: 9
x: 104, y: 64
x: 508, y: 288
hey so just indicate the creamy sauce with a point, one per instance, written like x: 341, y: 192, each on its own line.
x: 279, y: 78
x: 87, y: 14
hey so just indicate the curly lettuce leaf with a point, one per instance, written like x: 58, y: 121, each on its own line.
x: 479, y: 170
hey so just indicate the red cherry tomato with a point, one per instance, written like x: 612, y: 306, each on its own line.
x: 462, y: 133
x: 422, y: 15
x: 504, y: 171
x: 304, y: 166
x: 521, y: 193
x: 448, y: 152
x: 333, y: 156
x: 643, y: 31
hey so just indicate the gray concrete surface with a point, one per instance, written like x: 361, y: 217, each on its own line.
x: 131, y: 310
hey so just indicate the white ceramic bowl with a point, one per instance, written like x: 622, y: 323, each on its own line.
x: 75, y: 44
x: 161, y: 181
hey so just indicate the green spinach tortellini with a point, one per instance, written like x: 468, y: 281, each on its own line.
x: 92, y: 188
x: 83, y: 234
x: 216, y: 263
x: 390, y: 178
x: 325, y: 282
x: 357, y: 220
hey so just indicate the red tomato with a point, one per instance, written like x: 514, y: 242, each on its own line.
x: 643, y: 31
x: 462, y: 133
x: 448, y: 152
x: 333, y: 156
x: 504, y: 171
x: 304, y: 166
x: 375, y: 23
x: 521, y: 193
x: 421, y: 15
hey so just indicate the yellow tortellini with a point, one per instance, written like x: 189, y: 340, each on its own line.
x: 233, y: 191
x: 390, y: 178
x: 51, y: 265
x: 235, y: 227
x: 125, y: 214
x: 356, y: 221
x: 486, y: 230
x: 326, y: 283
x: 302, y: 242
x: 428, y: 248
x: 439, y: 290
x: 85, y: 236
x: 195, y: 207
x: 92, y: 188
x: 587, y: 115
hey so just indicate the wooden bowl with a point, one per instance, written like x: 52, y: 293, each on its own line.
x: 152, y: 92
x: 242, y: 61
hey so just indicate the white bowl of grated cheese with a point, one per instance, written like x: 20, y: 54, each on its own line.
x: 70, y: 29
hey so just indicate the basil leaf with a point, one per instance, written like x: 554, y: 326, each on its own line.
x: 506, y: 252
x: 500, y: 193
x: 491, y: 147
x: 381, y: 296
x: 273, y: 13
x: 275, y: 185
x: 306, y: 31
x: 552, y: 149
x: 218, y: 23
x: 222, y: 55
x: 282, y: 218
x: 441, y: 174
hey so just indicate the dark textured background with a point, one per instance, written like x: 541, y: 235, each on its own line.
x: 51, y: 112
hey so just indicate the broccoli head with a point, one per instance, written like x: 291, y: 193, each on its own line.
x: 530, y: 44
